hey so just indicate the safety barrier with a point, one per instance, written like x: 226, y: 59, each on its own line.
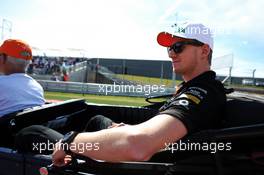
x: 119, y: 90
x: 106, y: 89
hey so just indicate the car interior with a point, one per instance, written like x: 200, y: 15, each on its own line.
x: 243, y: 126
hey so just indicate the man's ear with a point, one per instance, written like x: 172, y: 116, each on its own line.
x: 205, y: 51
x: 4, y: 59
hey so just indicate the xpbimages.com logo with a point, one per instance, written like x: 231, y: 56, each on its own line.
x: 78, y: 147
x: 212, y: 147
x: 116, y: 88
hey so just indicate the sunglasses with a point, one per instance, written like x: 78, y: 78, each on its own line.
x: 178, y: 47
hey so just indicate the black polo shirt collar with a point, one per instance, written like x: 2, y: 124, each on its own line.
x: 206, y: 76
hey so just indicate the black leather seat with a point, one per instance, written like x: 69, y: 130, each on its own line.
x: 243, y: 111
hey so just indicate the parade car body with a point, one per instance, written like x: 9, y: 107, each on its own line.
x: 243, y: 127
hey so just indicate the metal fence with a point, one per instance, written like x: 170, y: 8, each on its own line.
x: 106, y: 89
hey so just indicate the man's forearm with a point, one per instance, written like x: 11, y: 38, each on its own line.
x: 109, y: 144
x: 131, y: 142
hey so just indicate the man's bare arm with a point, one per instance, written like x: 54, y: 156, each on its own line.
x: 133, y: 142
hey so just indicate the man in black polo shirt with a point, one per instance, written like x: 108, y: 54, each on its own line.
x: 198, y: 104
x: 200, y: 99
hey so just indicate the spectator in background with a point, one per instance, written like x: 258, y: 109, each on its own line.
x: 65, y: 76
x: 17, y: 90
x: 54, y: 77
x: 49, y: 65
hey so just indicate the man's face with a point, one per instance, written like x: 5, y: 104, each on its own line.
x: 186, y: 60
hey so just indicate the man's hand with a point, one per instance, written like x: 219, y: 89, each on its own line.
x: 59, y: 158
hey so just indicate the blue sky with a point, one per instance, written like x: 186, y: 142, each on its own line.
x: 128, y: 28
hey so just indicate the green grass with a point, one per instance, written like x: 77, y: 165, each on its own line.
x: 166, y: 82
x: 114, y: 100
x: 147, y: 80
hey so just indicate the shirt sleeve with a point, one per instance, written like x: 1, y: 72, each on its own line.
x: 197, y: 107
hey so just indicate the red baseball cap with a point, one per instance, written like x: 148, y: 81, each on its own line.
x: 16, y: 49
x: 191, y: 31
